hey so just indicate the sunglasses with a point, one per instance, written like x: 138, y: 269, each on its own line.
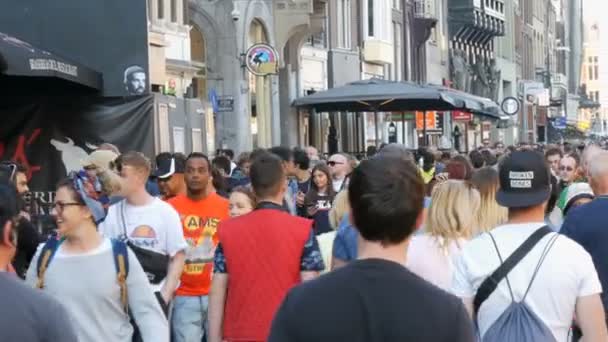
x: 566, y: 168
x: 334, y: 163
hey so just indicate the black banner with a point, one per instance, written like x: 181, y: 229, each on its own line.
x: 50, y: 136
x: 109, y: 36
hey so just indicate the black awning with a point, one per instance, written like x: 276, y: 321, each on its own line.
x: 21, y: 59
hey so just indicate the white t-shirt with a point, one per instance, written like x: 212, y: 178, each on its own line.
x: 337, y: 184
x: 155, y: 226
x: 427, y: 259
x: 566, y: 274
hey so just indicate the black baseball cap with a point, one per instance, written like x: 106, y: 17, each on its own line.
x: 169, y: 166
x: 525, y: 180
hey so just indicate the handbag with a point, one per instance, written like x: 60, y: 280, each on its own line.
x: 154, y: 264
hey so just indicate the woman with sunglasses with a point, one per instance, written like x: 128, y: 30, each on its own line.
x: 85, y: 274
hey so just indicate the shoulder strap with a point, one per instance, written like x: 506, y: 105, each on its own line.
x: 122, y: 219
x: 121, y: 262
x: 46, y: 255
x: 490, y: 283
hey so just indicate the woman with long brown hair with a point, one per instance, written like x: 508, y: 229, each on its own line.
x: 319, y: 198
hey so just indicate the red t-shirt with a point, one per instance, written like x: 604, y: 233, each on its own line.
x: 200, y: 220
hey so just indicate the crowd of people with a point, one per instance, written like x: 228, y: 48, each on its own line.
x: 282, y: 244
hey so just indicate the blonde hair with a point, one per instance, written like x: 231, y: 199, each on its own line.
x: 491, y: 214
x: 452, y: 214
x: 339, y: 208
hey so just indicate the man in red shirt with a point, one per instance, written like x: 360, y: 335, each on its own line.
x: 200, y: 210
x: 261, y: 255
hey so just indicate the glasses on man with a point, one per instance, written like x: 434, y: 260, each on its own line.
x: 333, y: 163
x: 566, y: 168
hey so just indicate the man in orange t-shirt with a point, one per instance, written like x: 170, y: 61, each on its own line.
x: 201, y: 211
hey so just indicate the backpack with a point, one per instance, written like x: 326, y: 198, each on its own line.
x: 518, y: 323
x: 121, y: 262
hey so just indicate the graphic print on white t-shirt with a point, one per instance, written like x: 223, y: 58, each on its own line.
x: 155, y: 226
x: 144, y: 236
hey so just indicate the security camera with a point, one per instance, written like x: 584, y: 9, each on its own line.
x: 236, y: 15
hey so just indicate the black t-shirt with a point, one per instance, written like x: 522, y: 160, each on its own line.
x: 28, y: 240
x: 31, y: 315
x: 323, y: 204
x: 371, y: 300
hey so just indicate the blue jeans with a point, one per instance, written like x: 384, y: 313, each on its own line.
x: 189, y: 320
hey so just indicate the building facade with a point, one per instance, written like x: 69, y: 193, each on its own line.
x: 594, y: 76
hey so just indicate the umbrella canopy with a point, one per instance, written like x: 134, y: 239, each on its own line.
x: 387, y: 96
x: 19, y: 58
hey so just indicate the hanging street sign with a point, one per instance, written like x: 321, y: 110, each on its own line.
x: 262, y: 60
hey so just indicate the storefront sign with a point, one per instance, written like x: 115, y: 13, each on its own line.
x: 262, y: 60
x: 458, y: 115
x: 434, y: 122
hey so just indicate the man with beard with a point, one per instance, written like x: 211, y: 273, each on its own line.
x: 200, y: 210
x: 135, y: 80
x: 16, y: 175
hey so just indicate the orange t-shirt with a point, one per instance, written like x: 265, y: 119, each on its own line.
x: 200, y: 220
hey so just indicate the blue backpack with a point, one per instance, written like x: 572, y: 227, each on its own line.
x: 518, y: 323
x: 121, y: 262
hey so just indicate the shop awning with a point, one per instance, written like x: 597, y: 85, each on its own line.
x: 392, y: 96
x: 21, y: 59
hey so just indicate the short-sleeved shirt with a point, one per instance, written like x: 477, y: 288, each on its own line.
x: 155, y: 226
x: 200, y: 220
x: 567, y: 273
x: 371, y: 300
x: 311, y: 260
x: 587, y: 226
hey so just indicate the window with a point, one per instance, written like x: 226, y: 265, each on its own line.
x: 173, y: 11
x: 344, y: 23
x: 596, y: 71
x: 370, y: 18
x: 197, y: 140
x: 379, y: 19
x: 160, y: 5
x: 149, y: 8
x: 593, y: 68
x: 397, y: 41
x: 186, y: 13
